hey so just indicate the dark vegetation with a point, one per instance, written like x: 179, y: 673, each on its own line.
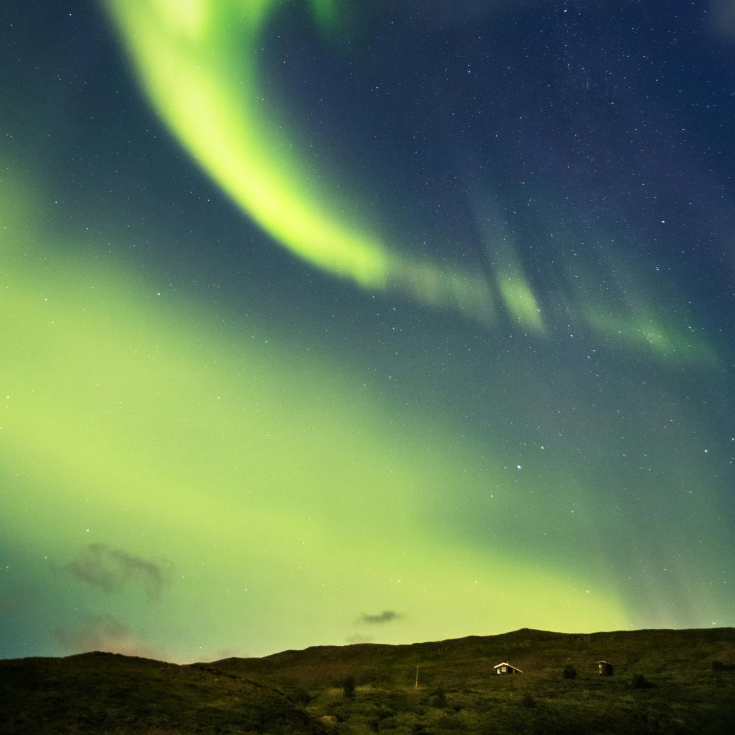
x: 348, y: 687
x: 672, y: 682
x: 121, y: 695
x: 640, y: 682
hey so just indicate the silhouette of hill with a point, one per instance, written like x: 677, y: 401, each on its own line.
x: 665, y: 681
x: 469, y: 661
x: 111, y: 693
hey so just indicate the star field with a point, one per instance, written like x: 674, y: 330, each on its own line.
x: 327, y: 321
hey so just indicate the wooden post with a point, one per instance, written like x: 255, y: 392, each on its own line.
x: 417, y: 675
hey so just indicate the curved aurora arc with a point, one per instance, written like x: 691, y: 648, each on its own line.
x: 198, y: 63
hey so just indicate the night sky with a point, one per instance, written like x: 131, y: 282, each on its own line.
x: 326, y: 321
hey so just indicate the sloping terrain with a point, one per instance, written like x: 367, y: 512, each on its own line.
x: 110, y: 693
x: 664, y: 682
x: 469, y: 661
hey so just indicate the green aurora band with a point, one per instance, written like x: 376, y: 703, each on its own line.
x: 278, y: 486
x: 198, y: 62
x: 281, y: 493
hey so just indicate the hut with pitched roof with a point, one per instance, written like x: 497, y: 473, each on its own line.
x: 506, y: 668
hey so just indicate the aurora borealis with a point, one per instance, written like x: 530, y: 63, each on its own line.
x: 332, y: 321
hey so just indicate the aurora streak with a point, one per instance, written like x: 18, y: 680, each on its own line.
x: 491, y: 390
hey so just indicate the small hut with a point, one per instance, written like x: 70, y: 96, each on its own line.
x: 506, y: 668
x: 604, y: 668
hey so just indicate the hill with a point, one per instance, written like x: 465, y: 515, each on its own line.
x: 665, y: 681
x: 121, y: 695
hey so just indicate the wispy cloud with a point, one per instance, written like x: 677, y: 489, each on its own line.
x: 357, y: 638
x: 111, y: 569
x: 385, y: 617
x: 102, y: 633
x: 722, y: 18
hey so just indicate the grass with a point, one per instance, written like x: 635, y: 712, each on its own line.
x: 664, y: 682
x: 121, y: 695
x: 673, y: 682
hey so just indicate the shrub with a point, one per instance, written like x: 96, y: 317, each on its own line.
x: 640, y: 682
x: 298, y: 695
x: 348, y: 687
x: 440, y: 699
x: 569, y: 672
x: 528, y: 700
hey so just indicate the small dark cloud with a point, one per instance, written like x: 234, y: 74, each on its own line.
x: 357, y: 638
x: 102, y: 633
x: 111, y: 569
x: 385, y: 617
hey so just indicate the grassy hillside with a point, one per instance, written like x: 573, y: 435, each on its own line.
x: 664, y: 682
x: 109, y: 693
x: 678, y: 689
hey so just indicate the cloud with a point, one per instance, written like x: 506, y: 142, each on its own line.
x: 722, y: 18
x: 357, y: 638
x: 102, y: 633
x: 385, y: 617
x: 111, y: 569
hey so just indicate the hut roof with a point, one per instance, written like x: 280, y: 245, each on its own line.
x: 505, y: 663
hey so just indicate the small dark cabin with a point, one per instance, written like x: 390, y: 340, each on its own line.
x: 604, y: 668
x: 506, y: 668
